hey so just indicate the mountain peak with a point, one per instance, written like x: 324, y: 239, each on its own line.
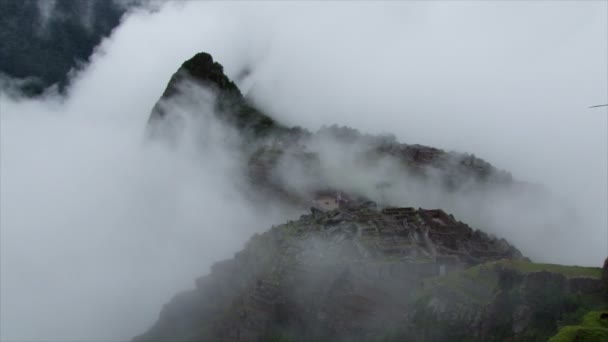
x: 360, y: 266
x: 203, y: 69
x: 230, y: 106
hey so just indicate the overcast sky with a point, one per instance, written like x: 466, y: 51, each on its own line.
x: 99, y: 231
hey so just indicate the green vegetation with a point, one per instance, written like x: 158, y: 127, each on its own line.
x: 593, y: 320
x: 475, y: 283
x: 48, y: 49
x: 568, y: 271
x: 500, y: 284
x: 478, y: 283
x: 592, y: 328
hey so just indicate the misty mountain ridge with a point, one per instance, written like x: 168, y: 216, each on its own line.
x: 364, y: 261
x: 45, y: 41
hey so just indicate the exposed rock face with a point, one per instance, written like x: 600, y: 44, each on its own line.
x: 230, y: 105
x: 585, y: 285
x: 201, y: 68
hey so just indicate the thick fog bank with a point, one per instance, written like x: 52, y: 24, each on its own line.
x: 98, y: 228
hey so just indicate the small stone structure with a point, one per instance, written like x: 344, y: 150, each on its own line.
x: 325, y: 202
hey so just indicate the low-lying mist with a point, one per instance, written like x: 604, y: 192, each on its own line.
x: 100, y: 227
x: 526, y: 213
x: 103, y: 227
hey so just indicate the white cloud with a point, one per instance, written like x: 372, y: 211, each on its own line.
x: 103, y: 230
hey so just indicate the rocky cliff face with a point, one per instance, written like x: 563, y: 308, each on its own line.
x: 230, y: 105
x: 353, y: 269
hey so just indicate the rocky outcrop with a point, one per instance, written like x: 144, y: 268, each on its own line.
x: 230, y: 105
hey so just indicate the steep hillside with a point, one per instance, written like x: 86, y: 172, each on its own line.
x: 42, y: 40
x: 357, y: 273
x: 594, y: 327
x: 270, y: 145
x: 229, y: 103
x: 359, y: 265
x: 340, y: 274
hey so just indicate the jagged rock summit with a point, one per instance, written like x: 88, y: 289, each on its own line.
x: 269, y: 145
x: 355, y: 269
x: 202, y: 68
x: 230, y: 103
